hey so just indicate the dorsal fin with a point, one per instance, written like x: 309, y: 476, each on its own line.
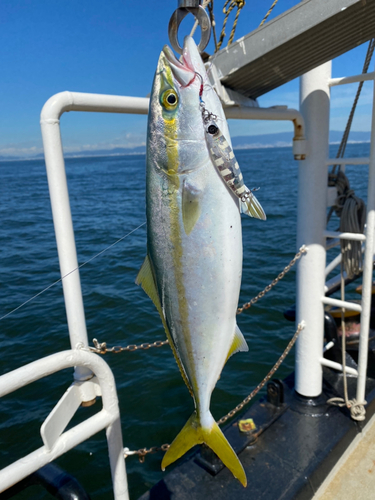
x: 146, y: 279
x: 238, y: 344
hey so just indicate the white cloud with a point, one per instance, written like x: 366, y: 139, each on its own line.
x: 27, y: 150
x: 18, y: 150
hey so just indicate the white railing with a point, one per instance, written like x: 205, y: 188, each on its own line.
x: 57, y: 442
x: 92, y: 376
x: 315, y: 98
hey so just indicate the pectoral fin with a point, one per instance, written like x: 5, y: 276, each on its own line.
x: 238, y: 344
x: 191, y: 208
x: 146, y: 280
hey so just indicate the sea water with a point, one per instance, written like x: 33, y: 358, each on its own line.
x: 107, y: 197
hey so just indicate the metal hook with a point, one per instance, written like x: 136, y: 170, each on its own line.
x: 184, y: 7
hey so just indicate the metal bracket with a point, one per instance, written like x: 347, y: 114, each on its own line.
x: 228, y: 97
x: 79, y: 393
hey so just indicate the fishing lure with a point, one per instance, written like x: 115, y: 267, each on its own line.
x: 225, y: 161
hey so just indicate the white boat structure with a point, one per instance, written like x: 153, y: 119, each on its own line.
x: 300, y: 42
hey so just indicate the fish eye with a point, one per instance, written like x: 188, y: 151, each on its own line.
x: 212, y: 129
x: 169, y: 99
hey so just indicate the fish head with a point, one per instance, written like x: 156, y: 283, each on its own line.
x: 176, y: 132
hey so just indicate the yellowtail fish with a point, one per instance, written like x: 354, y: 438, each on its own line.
x: 193, y: 267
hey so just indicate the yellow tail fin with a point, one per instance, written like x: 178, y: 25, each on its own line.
x: 193, y: 433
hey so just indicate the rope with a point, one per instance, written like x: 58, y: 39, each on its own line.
x: 70, y: 272
x: 344, y: 140
x: 232, y: 4
x: 352, y: 213
x: 357, y: 410
x: 350, y: 209
x: 268, y: 13
x: 142, y: 452
x: 213, y: 22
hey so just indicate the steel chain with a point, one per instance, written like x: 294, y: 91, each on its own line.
x: 142, y: 452
x: 269, y: 287
x: 101, y: 348
x: 266, y: 378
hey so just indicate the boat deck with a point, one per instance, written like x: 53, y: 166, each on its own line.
x: 354, y: 474
x: 294, y: 448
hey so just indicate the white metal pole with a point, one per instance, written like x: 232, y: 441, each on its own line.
x: 311, y: 224
x: 367, y: 270
x: 66, y: 247
x: 62, y: 218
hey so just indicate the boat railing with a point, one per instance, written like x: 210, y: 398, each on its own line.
x: 92, y: 376
x: 313, y: 195
x: 56, y: 441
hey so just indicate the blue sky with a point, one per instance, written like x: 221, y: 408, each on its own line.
x: 48, y: 46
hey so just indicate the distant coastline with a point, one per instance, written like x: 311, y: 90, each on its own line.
x: 279, y: 140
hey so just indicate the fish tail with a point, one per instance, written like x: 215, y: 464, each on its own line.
x: 194, y: 433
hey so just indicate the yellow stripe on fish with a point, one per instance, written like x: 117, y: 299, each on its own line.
x: 192, y: 226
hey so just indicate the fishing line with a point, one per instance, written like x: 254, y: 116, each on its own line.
x: 70, y: 272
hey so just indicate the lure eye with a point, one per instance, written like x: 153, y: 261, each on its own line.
x: 212, y: 129
x: 169, y: 99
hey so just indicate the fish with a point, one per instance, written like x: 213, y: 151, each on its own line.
x: 192, y: 271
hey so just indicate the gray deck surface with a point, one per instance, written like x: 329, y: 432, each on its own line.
x: 289, y: 460
x: 354, y: 474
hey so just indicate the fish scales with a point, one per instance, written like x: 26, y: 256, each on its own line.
x: 193, y: 267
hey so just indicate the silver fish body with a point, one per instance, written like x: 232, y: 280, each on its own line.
x: 193, y: 268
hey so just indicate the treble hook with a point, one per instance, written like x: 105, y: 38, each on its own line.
x: 184, y: 8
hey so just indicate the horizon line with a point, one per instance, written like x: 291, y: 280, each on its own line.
x: 71, y: 156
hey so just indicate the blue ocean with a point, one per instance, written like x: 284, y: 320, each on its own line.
x: 108, y: 201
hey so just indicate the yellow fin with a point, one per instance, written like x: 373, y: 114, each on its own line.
x: 253, y: 208
x: 146, y: 280
x: 193, y: 433
x: 191, y: 208
x: 238, y: 344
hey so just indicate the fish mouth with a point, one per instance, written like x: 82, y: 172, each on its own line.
x: 183, y: 70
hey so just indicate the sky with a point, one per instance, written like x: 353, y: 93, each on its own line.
x: 112, y: 47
